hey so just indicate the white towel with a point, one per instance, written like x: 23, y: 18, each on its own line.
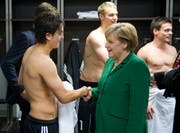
x: 87, y: 14
x: 163, y: 116
x: 67, y: 114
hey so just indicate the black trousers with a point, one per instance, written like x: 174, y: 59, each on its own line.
x: 86, y: 112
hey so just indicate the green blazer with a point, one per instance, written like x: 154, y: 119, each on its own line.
x: 122, y: 97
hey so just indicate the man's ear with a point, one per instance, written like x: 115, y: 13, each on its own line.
x: 48, y: 36
x: 155, y: 31
x: 101, y: 16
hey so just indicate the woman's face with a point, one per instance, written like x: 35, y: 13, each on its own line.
x: 114, y: 46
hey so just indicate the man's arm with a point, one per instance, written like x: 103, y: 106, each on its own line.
x: 51, y: 78
x: 98, y: 46
x: 20, y: 84
x: 142, y: 53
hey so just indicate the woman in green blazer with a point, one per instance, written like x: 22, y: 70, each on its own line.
x: 123, y: 89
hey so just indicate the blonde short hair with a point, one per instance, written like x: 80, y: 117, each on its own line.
x: 125, y: 31
x: 102, y: 8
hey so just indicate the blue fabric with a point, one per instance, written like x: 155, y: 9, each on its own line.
x: 11, y: 66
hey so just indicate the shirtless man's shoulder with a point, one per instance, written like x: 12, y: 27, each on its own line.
x: 96, y: 38
x: 37, y: 60
x: 149, y: 50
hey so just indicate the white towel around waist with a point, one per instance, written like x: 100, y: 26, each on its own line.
x: 163, y: 116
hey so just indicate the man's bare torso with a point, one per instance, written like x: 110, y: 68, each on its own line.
x: 42, y: 102
x: 95, y: 56
x: 158, y: 58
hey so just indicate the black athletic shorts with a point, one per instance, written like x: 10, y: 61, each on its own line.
x: 33, y: 125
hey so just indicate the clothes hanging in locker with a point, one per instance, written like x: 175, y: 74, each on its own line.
x: 72, y: 63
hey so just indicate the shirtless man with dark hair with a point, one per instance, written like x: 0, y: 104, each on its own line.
x: 39, y: 76
x: 11, y: 63
x: 159, y: 56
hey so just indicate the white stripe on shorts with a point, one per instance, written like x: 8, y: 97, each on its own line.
x: 44, y: 129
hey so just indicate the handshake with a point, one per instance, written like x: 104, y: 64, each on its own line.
x: 88, y: 93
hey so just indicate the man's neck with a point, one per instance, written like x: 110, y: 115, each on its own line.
x: 44, y: 48
x: 159, y: 44
x: 104, y: 27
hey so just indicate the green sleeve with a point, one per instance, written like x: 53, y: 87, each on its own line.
x: 95, y: 93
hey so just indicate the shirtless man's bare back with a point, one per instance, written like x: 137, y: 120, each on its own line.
x: 39, y: 76
x: 159, y: 56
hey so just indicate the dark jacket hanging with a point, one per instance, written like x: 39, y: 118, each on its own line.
x: 73, y: 61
